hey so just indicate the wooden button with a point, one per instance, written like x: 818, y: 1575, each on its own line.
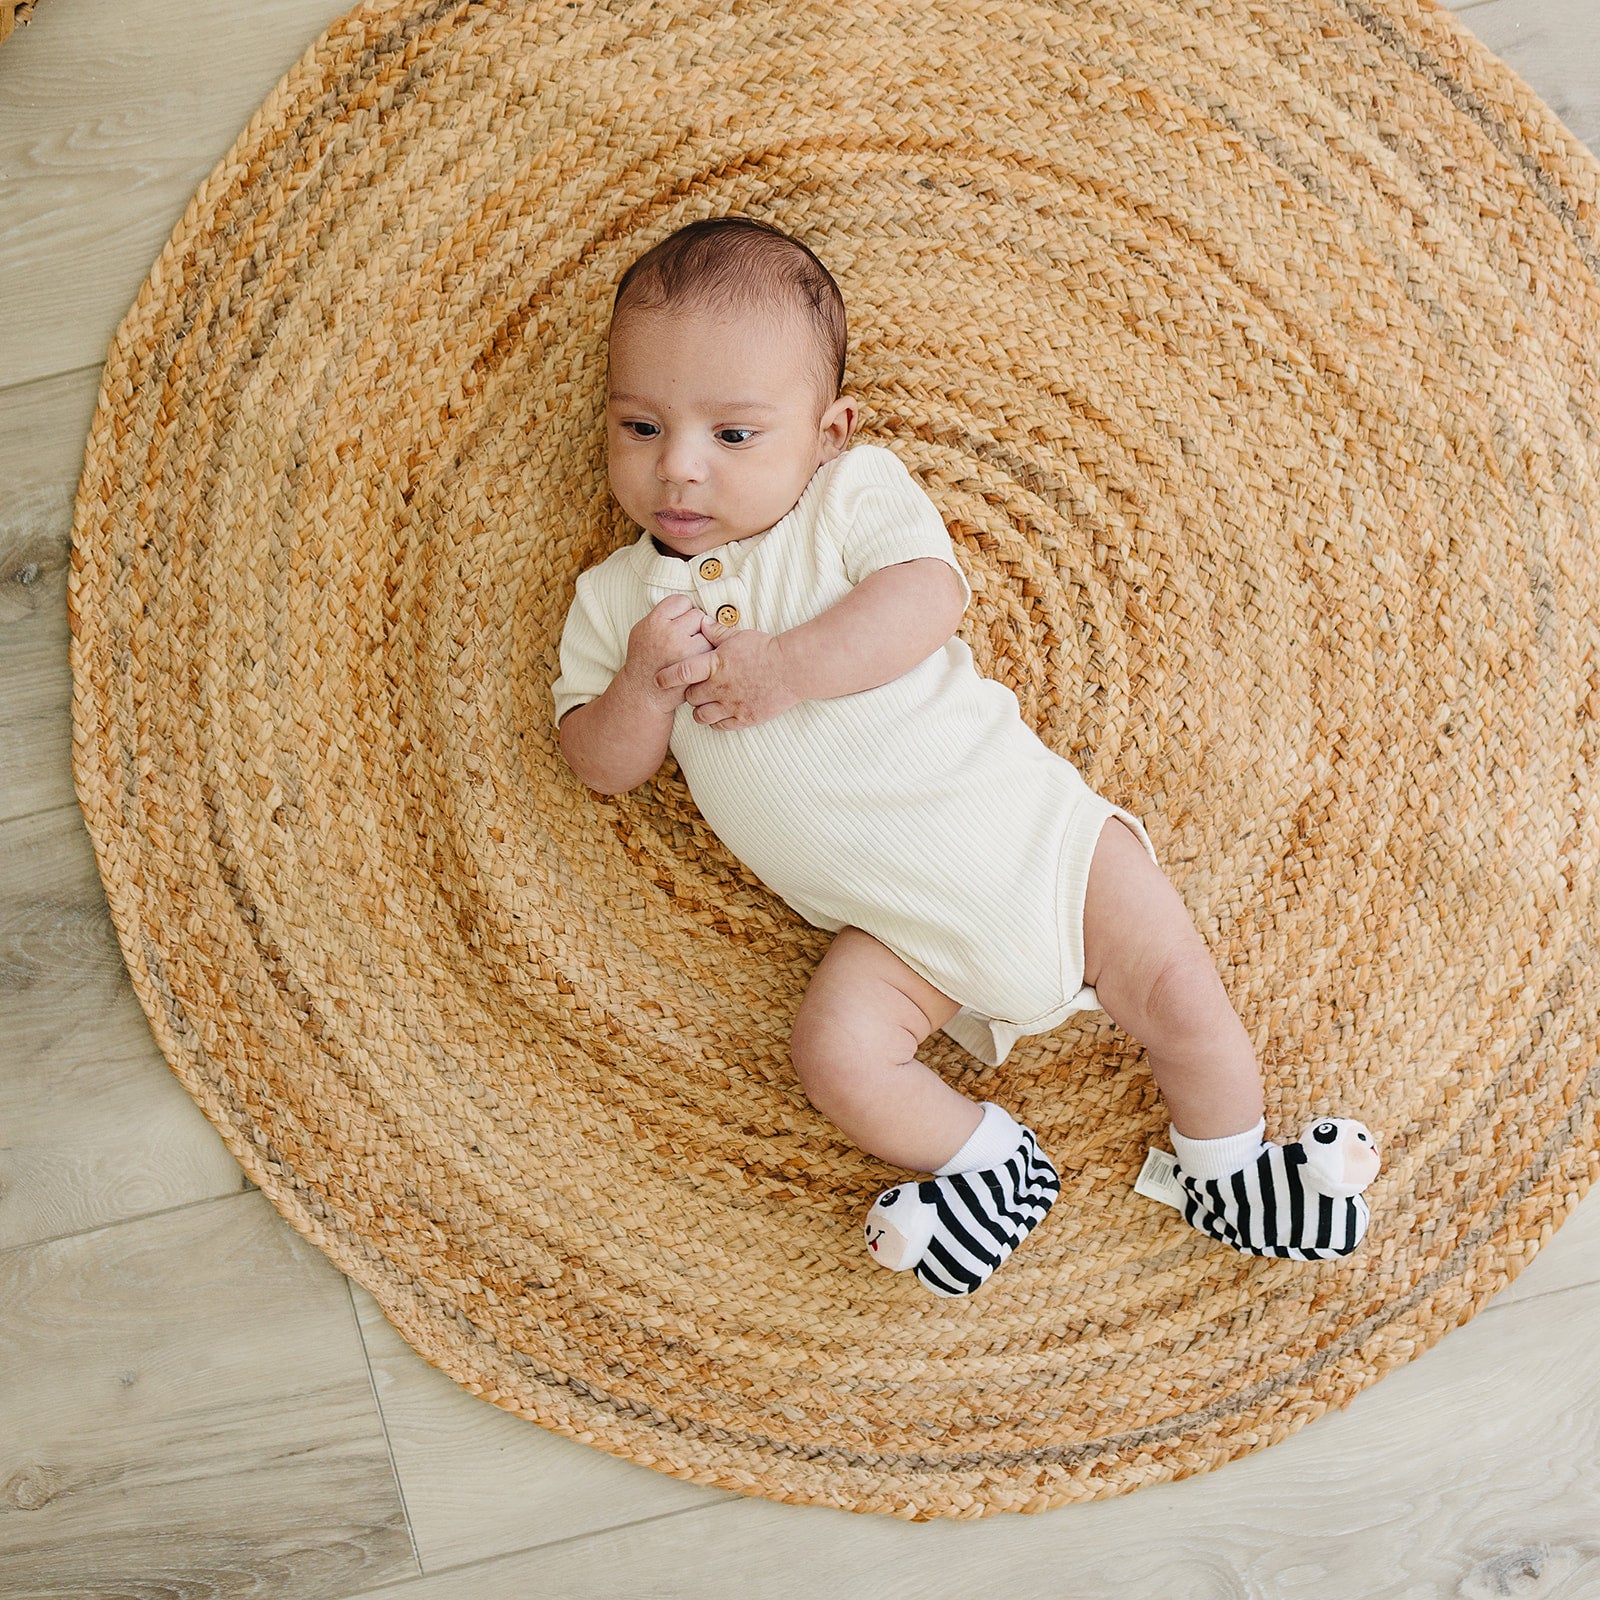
x: 728, y: 616
x: 711, y: 568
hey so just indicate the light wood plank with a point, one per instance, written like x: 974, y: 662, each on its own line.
x: 1554, y: 46
x: 94, y: 1128
x: 1473, y: 1471
x: 43, y: 429
x: 110, y: 119
x: 187, y: 1409
x: 479, y: 1481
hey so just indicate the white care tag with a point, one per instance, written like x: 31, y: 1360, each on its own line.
x: 1159, y: 1180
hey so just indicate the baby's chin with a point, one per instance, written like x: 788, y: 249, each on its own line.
x: 714, y: 537
x: 684, y: 548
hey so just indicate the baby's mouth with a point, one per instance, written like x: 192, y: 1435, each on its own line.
x: 681, y: 522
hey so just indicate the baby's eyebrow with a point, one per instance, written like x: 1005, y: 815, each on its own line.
x: 716, y: 405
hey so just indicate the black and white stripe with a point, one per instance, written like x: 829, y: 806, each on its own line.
x: 1268, y: 1210
x: 981, y: 1217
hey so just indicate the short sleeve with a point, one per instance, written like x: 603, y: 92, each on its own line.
x: 885, y: 517
x: 592, y: 652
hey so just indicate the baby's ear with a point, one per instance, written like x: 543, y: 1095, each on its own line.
x: 838, y: 424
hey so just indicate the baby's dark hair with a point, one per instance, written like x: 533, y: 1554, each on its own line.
x: 738, y: 261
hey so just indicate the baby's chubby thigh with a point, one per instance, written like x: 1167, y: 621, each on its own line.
x: 864, y: 1002
x: 854, y: 1045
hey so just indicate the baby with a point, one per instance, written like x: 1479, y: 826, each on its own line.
x: 786, y: 625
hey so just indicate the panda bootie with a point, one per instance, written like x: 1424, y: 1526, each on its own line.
x: 1300, y: 1201
x: 954, y: 1230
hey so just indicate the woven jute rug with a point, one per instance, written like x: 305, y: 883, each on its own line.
x: 1250, y: 353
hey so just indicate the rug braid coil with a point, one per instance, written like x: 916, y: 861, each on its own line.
x: 1250, y: 352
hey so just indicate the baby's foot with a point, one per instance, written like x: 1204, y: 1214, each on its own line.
x: 955, y: 1231
x: 1300, y: 1201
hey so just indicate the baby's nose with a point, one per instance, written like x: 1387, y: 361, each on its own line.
x: 679, y: 464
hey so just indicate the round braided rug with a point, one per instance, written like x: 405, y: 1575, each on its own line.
x: 1249, y: 351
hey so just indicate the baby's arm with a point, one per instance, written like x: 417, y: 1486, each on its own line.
x: 616, y: 741
x: 893, y: 619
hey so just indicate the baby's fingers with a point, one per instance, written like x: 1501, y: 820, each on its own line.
x: 693, y: 669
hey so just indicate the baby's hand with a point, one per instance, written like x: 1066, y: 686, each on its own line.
x: 664, y: 637
x: 741, y: 681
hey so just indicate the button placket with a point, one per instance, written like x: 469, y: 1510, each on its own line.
x: 719, y: 593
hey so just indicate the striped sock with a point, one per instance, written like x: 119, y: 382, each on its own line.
x: 954, y: 1231
x: 1300, y: 1202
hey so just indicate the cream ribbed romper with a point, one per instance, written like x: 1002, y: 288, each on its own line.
x: 925, y: 812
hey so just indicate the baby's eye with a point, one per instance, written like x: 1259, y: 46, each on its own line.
x: 726, y: 435
x: 641, y: 430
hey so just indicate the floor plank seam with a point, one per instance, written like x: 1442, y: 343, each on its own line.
x: 117, y: 1222
x: 52, y: 377
x: 1529, y: 1297
x: 541, y: 1546
x: 44, y: 811
x: 388, y: 1443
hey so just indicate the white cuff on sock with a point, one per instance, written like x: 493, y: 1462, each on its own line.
x: 993, y: 1141
x: 1204, y: 1159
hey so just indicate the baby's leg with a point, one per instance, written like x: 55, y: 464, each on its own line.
x: 1155, y: 979
x: 855, y: 1044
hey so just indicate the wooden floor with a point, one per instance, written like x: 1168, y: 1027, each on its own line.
x: 194, y: 1403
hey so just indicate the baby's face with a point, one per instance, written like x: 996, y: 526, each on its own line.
x: 715, y: 422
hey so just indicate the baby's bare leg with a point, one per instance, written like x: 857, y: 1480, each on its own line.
x: 1155, y: 978
x: 855, y: 1043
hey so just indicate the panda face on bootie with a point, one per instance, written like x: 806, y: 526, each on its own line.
x: 1342, y: 1157
x: 899, y: 1227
